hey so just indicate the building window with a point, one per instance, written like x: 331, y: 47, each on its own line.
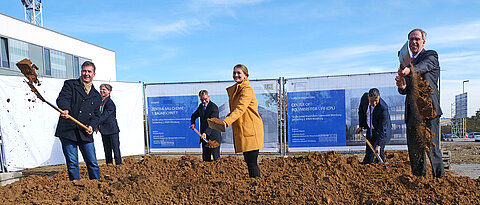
x: 76, y: 67
x: 18, y: 50
x: 4, y: 61
x: 82, y: 60
x: 59, y: 64
x: 36, y: 56
x: 69, y: 65
x: 50, y: 62
x: 46, y: 57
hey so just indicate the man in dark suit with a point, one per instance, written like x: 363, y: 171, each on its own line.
x: 79, y: 99
x: 426, y: 63
x: 207, y: 109
x: 373, y: 116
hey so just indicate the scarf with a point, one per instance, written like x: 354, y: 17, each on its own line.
x: 87, y: 86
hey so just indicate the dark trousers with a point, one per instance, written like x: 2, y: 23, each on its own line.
x: 370, y: 155
x: 207, y: 153
x: 417, y: 157
x: 251, y: 160
x: 112, y: 142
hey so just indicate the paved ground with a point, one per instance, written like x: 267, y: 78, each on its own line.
x: 465, y: 157
x: 469, y: 170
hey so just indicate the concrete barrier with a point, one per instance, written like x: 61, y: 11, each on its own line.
x: 9, y: 177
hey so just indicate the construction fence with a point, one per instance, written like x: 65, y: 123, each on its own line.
x: 299, y: 114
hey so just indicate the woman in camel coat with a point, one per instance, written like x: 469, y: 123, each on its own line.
x: 245, y: 120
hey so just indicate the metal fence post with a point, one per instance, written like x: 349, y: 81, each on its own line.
x: 282, y: 113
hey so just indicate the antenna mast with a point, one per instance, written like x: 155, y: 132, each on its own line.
x: 33, y: 11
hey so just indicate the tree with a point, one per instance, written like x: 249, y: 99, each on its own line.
x: 473, y: 123
x: 447, y: 129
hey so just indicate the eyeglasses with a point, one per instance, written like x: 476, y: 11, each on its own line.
x: 415, y: 39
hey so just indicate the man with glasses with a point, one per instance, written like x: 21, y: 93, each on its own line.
x: 426, y: 63
x: 207, y: 109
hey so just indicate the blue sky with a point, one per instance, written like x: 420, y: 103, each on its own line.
x: 201, y: 40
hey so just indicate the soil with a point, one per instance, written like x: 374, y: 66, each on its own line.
x: 216, y: 124
x: 28, y: 70
x: 212, y: 144
x: 327, y: 178
x: 463, y: 152
x: 421, y: 110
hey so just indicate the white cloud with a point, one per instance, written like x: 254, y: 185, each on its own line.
x: 331, y: 61
x: 453, y: 35
x: 226, y: 3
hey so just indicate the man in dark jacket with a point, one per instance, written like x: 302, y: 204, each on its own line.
x: 79, y: 99
x: 373, y: 116
x: 426, y: 63
x: 207, y: 109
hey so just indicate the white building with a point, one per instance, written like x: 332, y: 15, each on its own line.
x: 27, y: 125
x: 57, y: 55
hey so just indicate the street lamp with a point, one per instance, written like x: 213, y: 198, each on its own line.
x: 465, y: 81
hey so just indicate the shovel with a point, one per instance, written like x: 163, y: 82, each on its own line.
x: 203, y: 139
x: 371, y: 147
x: 211, y: 143
x: 404, y: 56
x: 216, y: 124
x: 29, y: 71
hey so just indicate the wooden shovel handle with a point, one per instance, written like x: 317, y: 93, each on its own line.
x: 69, y: 117
x: 371, y: 147
x: 74, y: 120
x: 204, y: 139
x: 197, y: 131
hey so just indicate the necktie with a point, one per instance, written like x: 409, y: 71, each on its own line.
x: 371, y: 116
x: 413, y: 60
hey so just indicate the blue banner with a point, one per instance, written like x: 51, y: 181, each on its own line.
x: 169, y: 119
x: 316, y: 118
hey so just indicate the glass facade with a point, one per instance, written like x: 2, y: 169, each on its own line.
x: 48, y: 67
x: 18, y: 51
x: 4, y: 60
x: 76, y: 67
x: 58, y: 62
x: 50, y: 62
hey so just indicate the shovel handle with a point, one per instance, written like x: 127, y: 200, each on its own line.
x: 35, y: 91
x: 371, y: 147
x: 69, y: 117
x: 195, y: 129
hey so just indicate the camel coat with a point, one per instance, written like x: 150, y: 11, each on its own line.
x: 247, y: 125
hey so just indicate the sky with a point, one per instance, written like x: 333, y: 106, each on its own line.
x: 201, y: 40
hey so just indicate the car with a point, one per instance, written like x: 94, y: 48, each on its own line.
x: 475, y: 135
x: 449, y: 137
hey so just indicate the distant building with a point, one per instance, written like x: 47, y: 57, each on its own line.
x: 445, y: 121
x: 57, y: 55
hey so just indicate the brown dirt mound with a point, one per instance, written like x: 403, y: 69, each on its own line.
x: 308, y: 179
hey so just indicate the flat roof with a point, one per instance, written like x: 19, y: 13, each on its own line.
x: 54, y: 31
